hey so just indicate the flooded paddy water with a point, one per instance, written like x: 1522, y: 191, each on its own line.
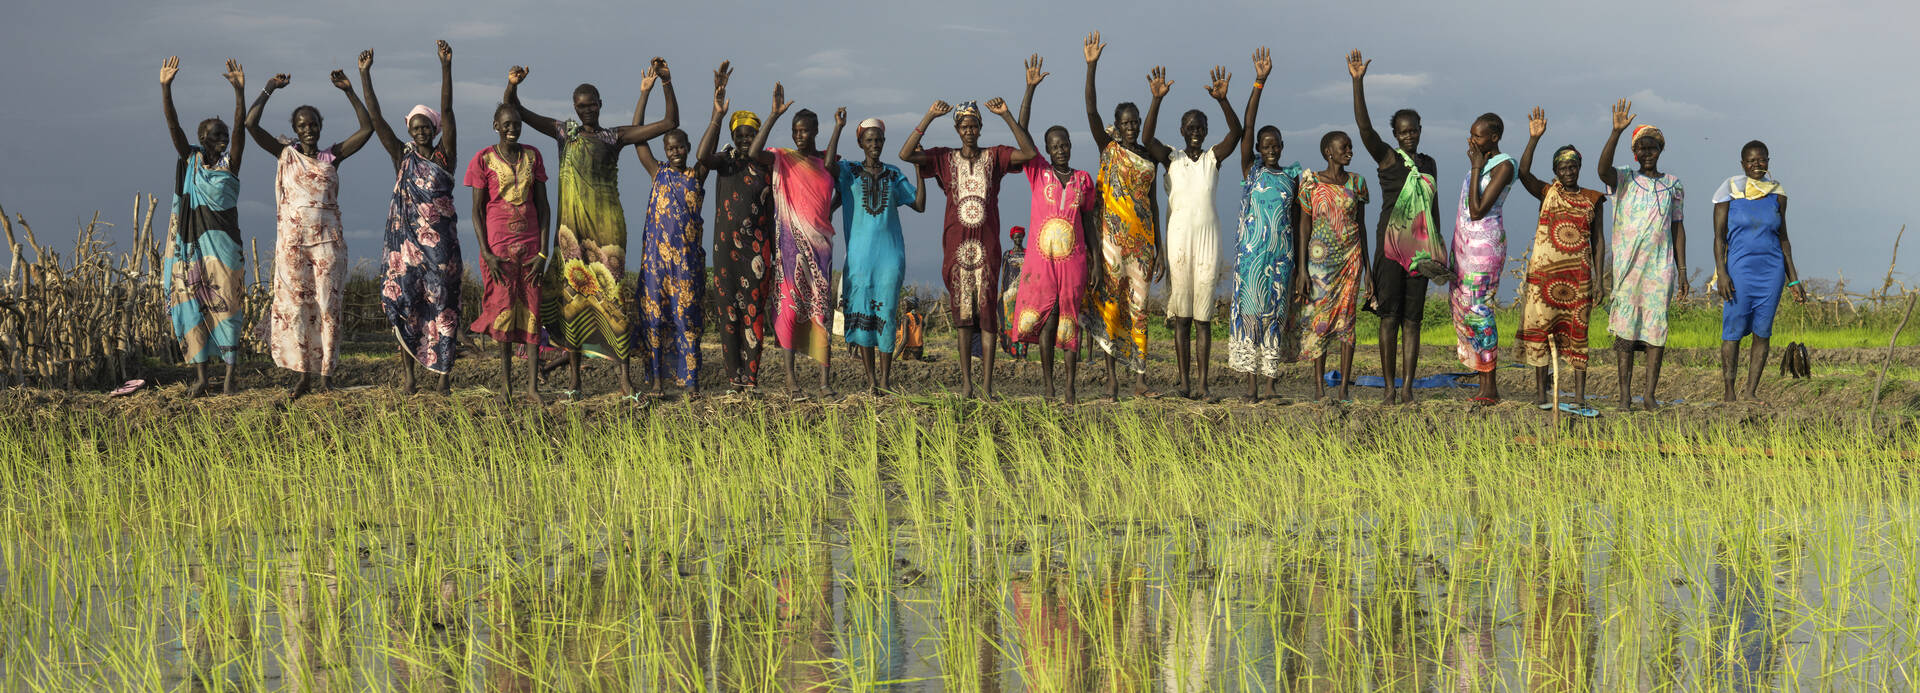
x: 931, y: 545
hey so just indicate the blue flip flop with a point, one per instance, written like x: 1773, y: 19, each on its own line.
x: 1577, y: 410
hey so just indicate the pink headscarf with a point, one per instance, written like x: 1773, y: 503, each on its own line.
x: 432, y: 115
x: 870, y: 124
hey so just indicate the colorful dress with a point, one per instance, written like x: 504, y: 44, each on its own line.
x: 1479, y: 255
x: 1011, y: 264
x: 742, y: 260
x: 802, y: 194
x: 1053, y: 278
x: 673, y: 282
x: 420, y: 290
x: 1756, y: 262
x: 206, y: 295
x: 582, y: 306
x: 970, y: 239
x: 1193, y: 235
x: 1128, y: 253
x: 876, y: 253
x: 1559, y: 293
x: 1263, y: 271
x: 1644, y: 212
x: 509, y: 298
x: 309, y: 263
x: 1333, y: 261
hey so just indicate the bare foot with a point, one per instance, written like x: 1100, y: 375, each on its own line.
x: 197, y: 388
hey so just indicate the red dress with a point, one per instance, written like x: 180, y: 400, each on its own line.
x: 971, y: 239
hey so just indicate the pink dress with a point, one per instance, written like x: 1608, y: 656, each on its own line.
x: 1053, y: 279
x: 302, y: 329
x: 803, y: 225
x: 510, y: 299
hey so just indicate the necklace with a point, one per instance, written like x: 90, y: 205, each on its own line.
x: 874, y: 191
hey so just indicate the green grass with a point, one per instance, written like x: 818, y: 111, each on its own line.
x: 428, y: 547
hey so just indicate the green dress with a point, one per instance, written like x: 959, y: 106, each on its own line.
x: 583, y: 306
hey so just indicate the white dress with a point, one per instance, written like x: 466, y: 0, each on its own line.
x: 1193, y: 235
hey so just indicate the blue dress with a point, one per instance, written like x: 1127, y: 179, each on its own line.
x: 876, y: 256
x: 672, y: 287
x: 1755, y: 263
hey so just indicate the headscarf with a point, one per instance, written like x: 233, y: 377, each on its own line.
x: 748, y: 118
x: 1566, y: 153
x: 422, y: 109
x: 1741, y: 187
x: 1016, y: 232
x: 1649, y: 131
x: 870, y: 124
x: 964, y: 109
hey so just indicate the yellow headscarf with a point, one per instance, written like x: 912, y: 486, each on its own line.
x: 1649, y: 131
x: 744, y: 118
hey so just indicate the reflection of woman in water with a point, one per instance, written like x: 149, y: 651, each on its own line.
x: 1321, y: 633
x: 1187, y: 666
x: 1124, y: 648
x: 1554, y: 596
x: 803, y: 613
x: 1054, y: 653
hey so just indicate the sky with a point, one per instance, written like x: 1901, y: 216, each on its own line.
x: 82, y: 94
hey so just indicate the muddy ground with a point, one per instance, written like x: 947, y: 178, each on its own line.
x: 367, y: 382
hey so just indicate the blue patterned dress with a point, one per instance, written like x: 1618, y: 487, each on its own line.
x: 1263, y: 270
x: 420, y: 289
x: 673, y: 266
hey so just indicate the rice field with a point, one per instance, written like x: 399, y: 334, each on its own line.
x: 933, y: 545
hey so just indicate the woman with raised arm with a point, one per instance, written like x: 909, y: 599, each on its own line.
x: 206, y: 292
x: 1649, y: 250
x: 1333, y: 215
x: 1560, y: 290
x: 510, y: 217
x: 871, y: 194
x: 1750, y: 246
x: 1129, y: 230
x: 742, y: 246
x: 1266, y: 255
x: 970, y: 176
x: 1193, y: 229
x: 1480, y: 253
x: 309, y: 255
x: 1411, y: 249
x: 803, y: 230
x: 581, y: 305
x: 420, y: 288
x: 1059, y: 263
x: 673, y: 263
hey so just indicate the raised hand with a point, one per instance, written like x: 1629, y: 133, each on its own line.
x: 1622, y: 114
x: 1034, y: 75
x: 939, y: 108
x: 721, y: 104
x: 780, y: 102
x: 840, y: 117
x: 169, y: 68
x: 366, y: 60
x: 997, y: 106
x: 1217, y: 82
x: 659, y: 66
x: 1092, y: 47
x: 235, y: 76
x: 445, y: 51
x: 722, y: 75
x: 1157, y: 83
x: 1537, y: 122
x: 1356, y: 65
x: 340, y: 82
x: 517, y: 74
x: 647, y: 77
x: 279, y: 81
x: 1262, y: 64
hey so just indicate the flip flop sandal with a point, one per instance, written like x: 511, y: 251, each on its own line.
x: 1576, y: 410
x: 1485, y: 401
x: 128, y: 388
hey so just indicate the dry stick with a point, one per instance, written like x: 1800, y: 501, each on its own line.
x: 1873, y: 410
x: 1893, y: 261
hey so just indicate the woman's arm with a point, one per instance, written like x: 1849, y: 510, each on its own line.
x: 492, y: 262
x: 168, y: 69
x: 543, y: 215
x: 910, y: 151
x: 1357, y: 69
x: 359, y: 138
x: 833, y: 143
x: 1480, y: 199
x: 637, y: 133
x: 1597, y: 252
x: 267, y: 142
x: 1786, y: 251
x: 643, y: 149
x: 1027, y: 152
x: 237, y: 143
x: 1091, y: 49
x: 1302, y: 230
x: 449, y: 148
x: 1157, y: 86
x: 1536, y: 126
x: 543, y: 124
x: 1720, y: 250
x: 1218, y: 90
x: 1680, y: 259
x: 1262, y: 67
x: 1622, y: 116
x: 1034, y: 76
x: 395, y: 148
x: 780, y: 106
x: 919, y: 194
x: 710, y: 142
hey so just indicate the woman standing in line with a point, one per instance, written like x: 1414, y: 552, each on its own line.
x: 206, y: 293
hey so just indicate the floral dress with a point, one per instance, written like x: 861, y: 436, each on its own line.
x: 420, y: 289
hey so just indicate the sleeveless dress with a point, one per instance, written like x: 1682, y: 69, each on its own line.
x: 1333, y: 261
x: 673, y: 281
x: 309, y: 263
x: 206, y: 292
x: 1117, y: 316
x: 1479, y: 254
x: 1263, y: 270
x: 420, y: 289
x: 1193, y: 235
x: 1756, y: 262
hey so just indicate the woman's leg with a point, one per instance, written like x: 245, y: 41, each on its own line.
x: 1761, y: 345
